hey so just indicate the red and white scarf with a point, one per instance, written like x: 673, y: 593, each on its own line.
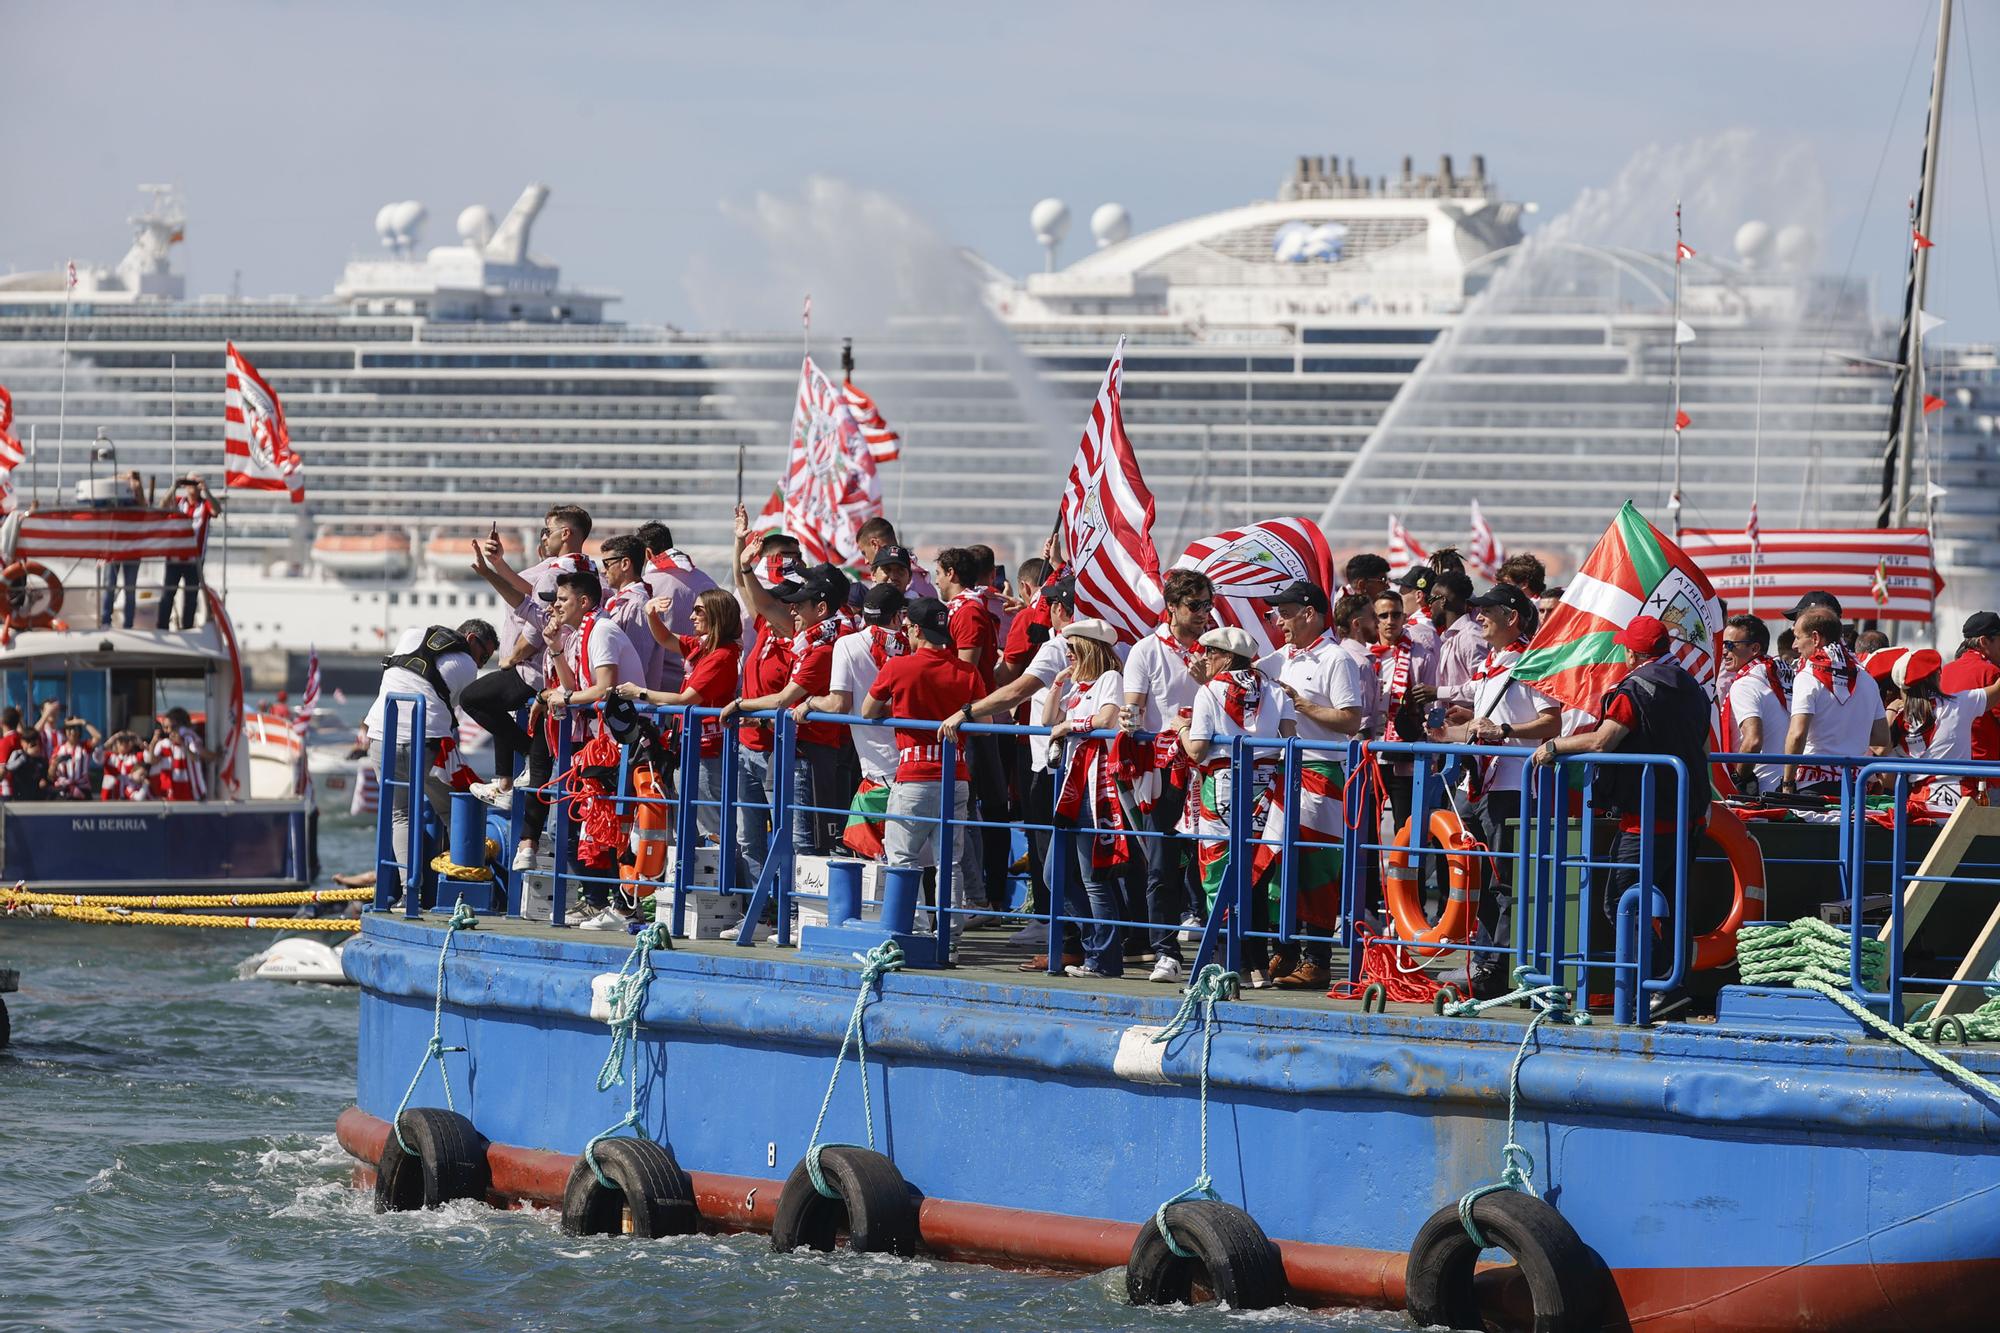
x: 884, y: 644
x: 1835, y: 668
x: 1399, y: 680
x: 1763, y: 664
x: 580, y: 666
x: 819, y: 635
x: 1242, y: 694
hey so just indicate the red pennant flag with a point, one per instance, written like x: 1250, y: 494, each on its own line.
x: 1682, y: 421
x: 1919, y: 241
x: 1932, y: 403
x: 1682, y: 252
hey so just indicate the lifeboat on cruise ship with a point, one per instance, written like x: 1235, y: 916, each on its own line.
x: 363, y: 553
x: 448, y: 555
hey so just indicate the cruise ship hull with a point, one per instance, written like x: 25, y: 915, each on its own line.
x: 1731, y: 1176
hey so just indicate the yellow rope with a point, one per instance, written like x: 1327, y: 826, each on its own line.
x: 444, y: 865
x: 12, y: 898
x: 107, y: 916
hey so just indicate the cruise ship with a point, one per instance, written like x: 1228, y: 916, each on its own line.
x: 1351, y: 348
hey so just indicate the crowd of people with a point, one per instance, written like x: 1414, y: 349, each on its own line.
x: 1145, y: 733
x: 56, y: 757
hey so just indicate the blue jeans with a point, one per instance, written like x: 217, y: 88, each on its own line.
x: 128, y: 570
x: 708, y: 796
x: 186, y: 575
x: 753, y: 813
x: 1098, y: 892
x: 815, y: 770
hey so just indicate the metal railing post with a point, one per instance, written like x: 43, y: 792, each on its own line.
x: 785, y: 758
x: 1061, y: 868
x: 1288, y: 849
x: 413, y: 882
x: 559, y: 860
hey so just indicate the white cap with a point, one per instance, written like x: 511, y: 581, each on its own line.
x: 1099, y: 631
x: 1230, y: 639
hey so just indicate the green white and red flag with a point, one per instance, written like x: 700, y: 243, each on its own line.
x: 1634, y: 570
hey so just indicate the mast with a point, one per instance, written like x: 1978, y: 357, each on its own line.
x: 1674, y: 501
x: 62, y: 392
x: 173, y: 410
x: 1756, y: 468
x: 1906, y: 407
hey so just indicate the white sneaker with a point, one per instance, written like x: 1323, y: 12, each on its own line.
x: 1190, y: 929
x: 608, y: 919
x: 1259, y: 979
x: 525, y: 856
x: 495, y: 795
x: 1167, y: 969
x: 575, y: 916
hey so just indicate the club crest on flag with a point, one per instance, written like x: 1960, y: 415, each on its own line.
x: 1249, y: 564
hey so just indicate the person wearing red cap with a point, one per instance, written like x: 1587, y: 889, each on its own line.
x: 1658, y: 708
x: 1926, y: 722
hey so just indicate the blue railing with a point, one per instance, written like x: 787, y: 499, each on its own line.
x: 1553, y: 884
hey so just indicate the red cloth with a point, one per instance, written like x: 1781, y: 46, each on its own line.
x: 928, y: 685
x: 769, y: 667
x: 973, y: 626
x: 1971, y: 671
x: 812, y: 670
x: 711, y: 674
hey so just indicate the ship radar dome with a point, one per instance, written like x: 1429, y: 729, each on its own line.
x: 1110, y: 224
x: 475, y: 225
x: 1050, y: 219
x: 408, y: 220
x: 385, y: 224
x: 1753, y: 243
x: 1796, y: 246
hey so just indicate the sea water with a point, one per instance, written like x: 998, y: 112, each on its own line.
x: 167, y: 1161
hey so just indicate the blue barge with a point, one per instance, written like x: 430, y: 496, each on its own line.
x: 1777, y: 1167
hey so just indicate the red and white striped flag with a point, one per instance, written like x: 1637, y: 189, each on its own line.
x: 1105, y: 530
x: 1750, y: 529
x: 830, y: 487
x: 1404, y: 550
x: 1484, y: 554
x: 1683, y: 252
x: 116, y: 535
x: 256, y: 448
x: 11, y: 452
x: 309, y: 699
x: 1247, y: 565
x: 72, y: 273
x: 1891, y: 568
x: 884, y: 443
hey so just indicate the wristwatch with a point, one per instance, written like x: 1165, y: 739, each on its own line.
x: 1506, y: 731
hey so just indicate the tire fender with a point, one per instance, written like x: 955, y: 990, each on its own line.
x: 1239, y: 1262
x: 1565, y: 1278
x: 646, y: 1183
x: 449, y: 1162
x: 875, y: 1208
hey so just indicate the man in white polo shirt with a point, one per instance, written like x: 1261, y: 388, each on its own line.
x: 857, y: 660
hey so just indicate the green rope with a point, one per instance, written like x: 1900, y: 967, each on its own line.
x: 1813, y: 956
x: 627, y: 998
x: 884, y: 958
x: 1214, y: 984
x: 1982, y: 1024
x: 1517, y: 1164
x: 462, y: 918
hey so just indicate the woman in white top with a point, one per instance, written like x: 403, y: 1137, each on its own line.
x: 1927, y: 723
x: 1087, y: 696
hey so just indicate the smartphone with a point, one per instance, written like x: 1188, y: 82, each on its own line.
x: 999, y: 576
x: 494, y: 535
x: 1435, y: 718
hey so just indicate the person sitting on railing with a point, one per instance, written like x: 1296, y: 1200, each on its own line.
x: 706, y: 663
x: 1088, y: 695
x: 1830, y: 716
x: 1236, y: 699
x: 1755, y: 711
x: 1658, y: 708
x: 1160, y: 683
x: 857, y: 659
x: 1977, y: 665
x: 1504, y: 712
x: 928, y: 682
x: 1324, y: 686
x: 1925, y: 722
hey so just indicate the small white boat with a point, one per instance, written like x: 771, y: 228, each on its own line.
x: 297, y: 958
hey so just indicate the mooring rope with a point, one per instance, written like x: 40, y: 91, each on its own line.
x: 884, y: 958
x: 1203, y: 993
x: 462, y: 918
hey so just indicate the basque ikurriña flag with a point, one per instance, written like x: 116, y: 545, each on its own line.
x: 883, y: 442
x: 1104, y: 533
x: 1633, y: 570
x: 829, y: 488
x: 257, y: 450
x: 1247, y: 565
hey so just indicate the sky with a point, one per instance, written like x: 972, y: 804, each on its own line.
x: 696, y: 153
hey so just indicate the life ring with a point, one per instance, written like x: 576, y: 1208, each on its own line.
x: 872, y: 1204
x: 1746, y: 866
x: 1225, y: 1244
x: 647, y: 1185
x: 1565, y: 1277
x: 449, y: 1162
x: 646, y: 861
x: 1405, y: 899
x: 52, y: 592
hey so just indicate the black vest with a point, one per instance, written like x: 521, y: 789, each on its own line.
x: 1672, y: 715
x: 438, y: 642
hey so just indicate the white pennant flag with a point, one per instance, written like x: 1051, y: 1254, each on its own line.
x: 1683, y: 332
x: 1926, y: 321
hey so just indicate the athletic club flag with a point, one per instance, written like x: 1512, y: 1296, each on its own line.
x: 256, y: 448
x: 11, y: 452
x: 1633, y: 570
x: 1404, y: 550
x: 1247, y: 565
x: 1854, y: 564
x: 1750, y: 530
x: 829, y: 488
x: 1484, y: 554
x: 1105, y: 530
x: 1683, y: 252
x: 883, y: 443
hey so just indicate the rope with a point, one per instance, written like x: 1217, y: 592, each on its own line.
x: 119, y: 916
x: 627, y: 997
x: 1517, y: 1164
x: 1387, y: 962
x: 1813, y: 956
x: 19, y: 896
x: 444, y: 865
x: 1203, y: 992
x: 884, y: 958
x: 462, y: 918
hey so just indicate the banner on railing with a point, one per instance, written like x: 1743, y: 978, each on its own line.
x: 105, y: 534
x: 1876, y: 573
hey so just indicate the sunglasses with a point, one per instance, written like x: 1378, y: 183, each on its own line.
x: 1739, y: 643
x: 1199, y: 606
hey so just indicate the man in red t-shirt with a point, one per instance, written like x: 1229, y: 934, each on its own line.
x: 929, y: 683
x: 1974, y: 669
x: 964, y: 575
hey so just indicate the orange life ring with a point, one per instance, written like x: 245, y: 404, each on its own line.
x: 1746, y: 866
x: 52, y: 589
x: 648, y: 842
x: 1406, y: 900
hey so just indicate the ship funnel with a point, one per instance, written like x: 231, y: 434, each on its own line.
x: 510, y: 243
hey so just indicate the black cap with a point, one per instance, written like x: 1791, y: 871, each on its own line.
x: 1507, y: 595
x: 929, y: 615
x: 882, y: 603
x: 1061, y: 590
x: 1811, y: 600
x: 1981, y: 624
x: 1417, y: 578
x: 813, y: 588
x: 893, y: 555
x: 1302, y: 591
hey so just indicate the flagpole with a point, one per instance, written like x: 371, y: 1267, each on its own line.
x: 62, y: 392
x: 1249, y: 494
x: 1920, y: 267
x: 34, y: 468
x: 173, y: 410
x: 1674, y: 502
x: 1756, y: 466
